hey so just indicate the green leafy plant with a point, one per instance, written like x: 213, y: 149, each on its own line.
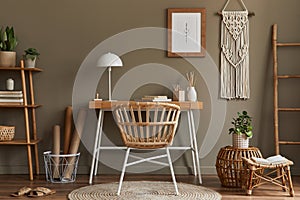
x: 31, y: 53
x: 8, y: 40
x: 242, y: 125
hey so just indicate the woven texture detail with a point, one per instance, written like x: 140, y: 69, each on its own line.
x: 7, y: 133
x: 229, y: 164
x: 235, y: 55
x: 134, y: 190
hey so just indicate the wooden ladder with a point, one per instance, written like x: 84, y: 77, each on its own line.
x: 276, y: 77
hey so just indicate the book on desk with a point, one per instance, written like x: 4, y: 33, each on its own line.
x: 156, y: 98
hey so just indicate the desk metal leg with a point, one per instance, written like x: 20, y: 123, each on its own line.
x: 96, y: 145
x: 99, y: 143
x: 192, y: 143
x: 195, y: 144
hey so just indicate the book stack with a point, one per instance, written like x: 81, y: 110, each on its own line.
x: 11, y: 97
x: 156, y: 98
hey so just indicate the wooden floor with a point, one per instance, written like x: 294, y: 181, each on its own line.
x: 11, y: 183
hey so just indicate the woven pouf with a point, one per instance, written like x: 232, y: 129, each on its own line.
x: 229, y: 164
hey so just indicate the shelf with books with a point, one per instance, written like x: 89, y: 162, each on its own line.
x: 25, y: 100
x: 18, y: 105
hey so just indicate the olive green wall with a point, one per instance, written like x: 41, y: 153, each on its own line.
x: 66, y: 31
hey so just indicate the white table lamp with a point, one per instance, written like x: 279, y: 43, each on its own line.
x: 109, y: 60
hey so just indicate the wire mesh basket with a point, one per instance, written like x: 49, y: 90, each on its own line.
x: 61, y: 168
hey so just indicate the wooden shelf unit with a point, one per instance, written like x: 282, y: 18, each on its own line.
x: 276, y: 77
x: 28, y: 106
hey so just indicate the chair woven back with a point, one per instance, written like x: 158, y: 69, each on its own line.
x: 147, y: 125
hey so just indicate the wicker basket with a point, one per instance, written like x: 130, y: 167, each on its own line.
x: 229, y: 164
x: 240, y: 141
x: 7, y: 133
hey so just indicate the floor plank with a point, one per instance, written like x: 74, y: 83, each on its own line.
x: 11, y: 183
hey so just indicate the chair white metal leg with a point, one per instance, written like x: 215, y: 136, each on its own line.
x: 123, y: 171
x: 172, y: 171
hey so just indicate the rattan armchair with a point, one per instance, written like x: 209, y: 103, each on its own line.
x: 147, y: 126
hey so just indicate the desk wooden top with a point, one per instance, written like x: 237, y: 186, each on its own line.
x: 184, y: 105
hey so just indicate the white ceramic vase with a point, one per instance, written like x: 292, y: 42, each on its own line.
x: 191, y: 94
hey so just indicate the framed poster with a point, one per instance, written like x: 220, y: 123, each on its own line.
x: 186, y: 32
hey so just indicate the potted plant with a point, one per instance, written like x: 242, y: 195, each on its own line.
x: 8, y: 43
x: 242, y: 130
x: 30, y: 56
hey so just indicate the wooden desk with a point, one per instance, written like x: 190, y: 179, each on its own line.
x: 187, y: 106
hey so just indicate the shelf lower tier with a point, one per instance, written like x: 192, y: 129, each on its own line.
x: 20, y: 142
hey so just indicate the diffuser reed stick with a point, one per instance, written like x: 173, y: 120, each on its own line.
x: 191, y: 78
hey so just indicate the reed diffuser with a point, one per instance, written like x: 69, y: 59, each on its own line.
x: 191, y: 91
x: 191, y: 78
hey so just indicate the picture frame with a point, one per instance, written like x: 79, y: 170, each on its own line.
x: 186, y: 32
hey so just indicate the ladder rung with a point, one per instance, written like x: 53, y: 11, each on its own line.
x: 288, y: 76
x: 289, y: 142
x: 289, y: 109
x: 288, y: 44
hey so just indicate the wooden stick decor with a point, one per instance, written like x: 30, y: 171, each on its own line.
x: 55, y: 150
x: 68, y: 128
x: 79, y: 125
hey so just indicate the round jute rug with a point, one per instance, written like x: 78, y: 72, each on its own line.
x: 145, y: 190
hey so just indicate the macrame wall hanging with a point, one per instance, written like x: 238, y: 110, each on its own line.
x: 235, y: 54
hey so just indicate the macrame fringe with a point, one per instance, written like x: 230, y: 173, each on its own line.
x: 234, y: 55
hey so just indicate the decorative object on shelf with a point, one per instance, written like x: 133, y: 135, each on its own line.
x: 10, y: 84
x: 235, y: 54
x: 178, y: 93
x: 7, y: 133
x: 30, y: 56
x: 191, y: 91
x: 109, y: 60
x: 97, y: 97
x: 242, y: 130
x: 181, y: 95
x: 186, y: 32
x: 229, y: 165
x: 8, y: 43
x: 176, y: 89
x: 191, y: 94
x: 11, y: 97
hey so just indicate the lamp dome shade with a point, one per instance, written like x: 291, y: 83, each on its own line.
x: 109, y: 60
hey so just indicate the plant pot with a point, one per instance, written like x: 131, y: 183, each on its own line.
x: 29, y: 63
x: 240, y: 141
x: 8, y: 58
